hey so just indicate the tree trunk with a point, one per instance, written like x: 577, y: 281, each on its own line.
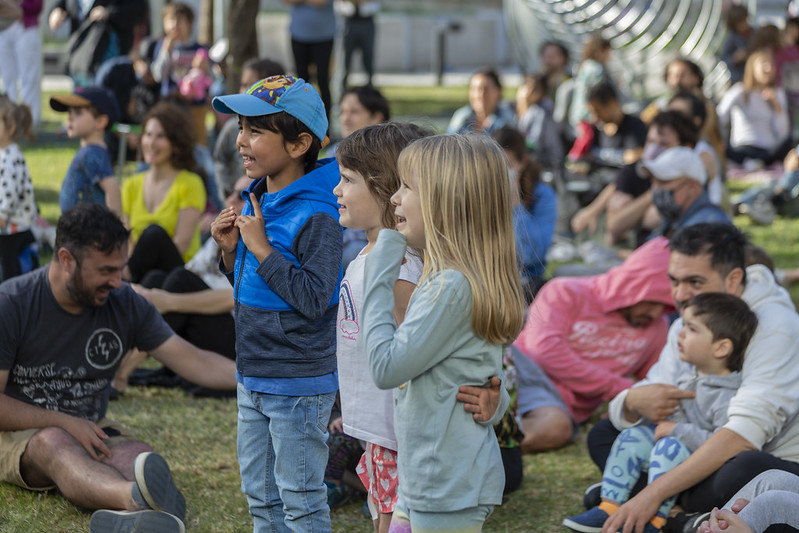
x: 242, y: 37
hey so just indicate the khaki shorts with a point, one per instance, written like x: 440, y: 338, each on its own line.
x: 14, y: 443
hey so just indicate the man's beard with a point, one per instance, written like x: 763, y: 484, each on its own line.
x: 80, y: 294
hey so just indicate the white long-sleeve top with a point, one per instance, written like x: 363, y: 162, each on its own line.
x: 751, y: 120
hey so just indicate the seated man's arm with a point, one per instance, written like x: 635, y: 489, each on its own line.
x: 201, y: 367
x: 206, y: 302
x: 16, y: 415
x: 626, y: 213
x: 587, y: 218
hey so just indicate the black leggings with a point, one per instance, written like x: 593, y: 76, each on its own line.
x: 10, y: 248
x: 359, y: 33
x: 739, y: 154
x: 716, y: 489
x: 319, y: 54
x: 155, y: 250
x: 209, y: 332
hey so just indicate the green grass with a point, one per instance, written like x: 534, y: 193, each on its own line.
x: 197, y: 436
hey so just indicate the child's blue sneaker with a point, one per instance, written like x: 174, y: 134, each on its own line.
x: 590, y: 521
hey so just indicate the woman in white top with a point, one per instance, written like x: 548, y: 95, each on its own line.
x: 754, y: 114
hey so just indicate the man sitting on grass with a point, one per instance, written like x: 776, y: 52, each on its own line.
x: 761, y: 432
x: 64, y: 331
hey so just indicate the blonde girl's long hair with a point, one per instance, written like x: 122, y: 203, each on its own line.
x: 465, y: 199
x: 749, y: 81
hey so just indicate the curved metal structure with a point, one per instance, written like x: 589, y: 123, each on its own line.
x: 646, y: 35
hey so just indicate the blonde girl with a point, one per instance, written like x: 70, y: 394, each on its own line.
x: 753, y: 115
x: 17, y: 206
x: 455, y: 205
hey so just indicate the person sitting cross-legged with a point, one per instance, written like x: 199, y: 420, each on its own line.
x: 65, y: 329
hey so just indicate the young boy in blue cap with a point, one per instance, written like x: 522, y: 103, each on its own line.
x: 283, y: 258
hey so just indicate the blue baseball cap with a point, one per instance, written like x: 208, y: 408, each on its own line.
x: 98, y: 97
x: 272, y: 95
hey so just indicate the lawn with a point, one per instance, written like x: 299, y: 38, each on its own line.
x: 197, y: 436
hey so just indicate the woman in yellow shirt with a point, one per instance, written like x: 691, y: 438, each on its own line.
x: 162, y: 206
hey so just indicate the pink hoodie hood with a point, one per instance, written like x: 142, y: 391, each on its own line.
x: 588, y: 350
x: 641, y: 278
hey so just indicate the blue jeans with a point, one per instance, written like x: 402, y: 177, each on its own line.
x: 282, y: 456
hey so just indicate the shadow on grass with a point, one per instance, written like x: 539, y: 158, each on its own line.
x: 45, y: 195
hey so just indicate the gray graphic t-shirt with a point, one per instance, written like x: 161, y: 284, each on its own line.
x: 64, y: 362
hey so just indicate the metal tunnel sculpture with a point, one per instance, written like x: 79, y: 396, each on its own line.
x: 646, y: 34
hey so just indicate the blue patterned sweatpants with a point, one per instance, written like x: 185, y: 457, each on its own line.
x: 635, y: 451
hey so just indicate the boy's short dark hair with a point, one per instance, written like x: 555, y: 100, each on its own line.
x: 290, y: 128
x: 687, y: 132
x: 96, y: 113
x: 179, y: 10
x: 373, y: 152
x: 90, y: 226
x: 727, y: 317
x: 602, y: 93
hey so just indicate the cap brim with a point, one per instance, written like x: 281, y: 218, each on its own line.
x: 243, y: 104
x: 65, y: 101
x: 656, y: 171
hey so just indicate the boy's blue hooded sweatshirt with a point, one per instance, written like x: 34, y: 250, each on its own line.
x: 286, y: 306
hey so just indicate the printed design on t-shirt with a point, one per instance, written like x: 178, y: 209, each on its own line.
x: 595, y: 341
x: 62, y: 388
x: 103, y: 349
x: 349, y: 321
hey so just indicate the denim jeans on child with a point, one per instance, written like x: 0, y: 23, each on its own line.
x: 282, y: 455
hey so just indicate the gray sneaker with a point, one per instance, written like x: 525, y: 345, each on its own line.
x: 761, y: 210
x: 105, y: 521
x: 154, y: 482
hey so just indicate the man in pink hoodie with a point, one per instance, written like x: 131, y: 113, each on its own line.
x: 587, y: 339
